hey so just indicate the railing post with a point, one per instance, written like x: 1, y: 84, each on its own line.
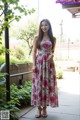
x: 7, y: 54
x: 20, y: 80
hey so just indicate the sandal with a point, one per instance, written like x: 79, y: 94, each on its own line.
x: 44, y: 112
x: 39, y: 112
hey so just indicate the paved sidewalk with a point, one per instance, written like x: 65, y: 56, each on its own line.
x: 69, y: 101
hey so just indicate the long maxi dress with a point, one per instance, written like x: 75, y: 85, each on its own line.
x: 44, y: 82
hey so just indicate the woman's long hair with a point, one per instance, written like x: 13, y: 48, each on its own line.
x: 41, y: 33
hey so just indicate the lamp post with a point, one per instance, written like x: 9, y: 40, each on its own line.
x: 68, y: 46
x: 61, y: 34
x: 7, y: 54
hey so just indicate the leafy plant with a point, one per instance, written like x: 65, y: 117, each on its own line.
x: 20, y: 97
x: 2, y: 49
x: 28, y: 35
x: 23, y: 93
x: 2, y: 75
x: 11, y: 106
x: 2, y: 59
x: 18, y: 53
x: 4, y: 105
x: 12, y: 11
x: 59, y: 74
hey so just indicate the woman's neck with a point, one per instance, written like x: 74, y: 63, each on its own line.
x: 45, y: 36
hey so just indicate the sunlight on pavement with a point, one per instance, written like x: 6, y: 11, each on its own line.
x: 70, y: 83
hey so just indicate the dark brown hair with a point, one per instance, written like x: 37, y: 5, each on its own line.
x: 40, y: 34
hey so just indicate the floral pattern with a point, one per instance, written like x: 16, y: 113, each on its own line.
x: 44, y: 82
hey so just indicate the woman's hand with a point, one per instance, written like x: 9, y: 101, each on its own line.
x: 50, y: 58
x: 34, y: 68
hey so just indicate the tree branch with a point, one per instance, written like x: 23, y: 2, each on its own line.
x: 1, y: 14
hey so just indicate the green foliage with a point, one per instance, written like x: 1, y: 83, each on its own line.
x: 2, y: 49
x: 20, y: 97
x: 18, y: 53
x: 23, y: 93
x: 11, y: 106
x: 28, y: 35
x: 14, y: 60
x: 13, y: 12
x: 2, y: 67
x: 4, y: 105
x: 59, y: 74
x: 2, y: 75
x: 2, y: 59
x: 27, y: 60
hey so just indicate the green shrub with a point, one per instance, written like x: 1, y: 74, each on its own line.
x: 14, y: 60
x: 9, y: 105
x: 2, y: 59
x: 20, y: 97
x: 19, y: 53
x: 23, y: 93
x: 59, y: 74
x: 2, y: 49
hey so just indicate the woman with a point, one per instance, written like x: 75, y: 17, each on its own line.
x: 44, y: 83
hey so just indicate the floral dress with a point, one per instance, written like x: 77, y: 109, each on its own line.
x: 44, y: 83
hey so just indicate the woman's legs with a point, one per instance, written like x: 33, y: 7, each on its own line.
x: 38, y: 115
x: 44, y: 111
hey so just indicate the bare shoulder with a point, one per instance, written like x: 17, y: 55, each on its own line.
x: 35, y: 38
x: 54, y: 39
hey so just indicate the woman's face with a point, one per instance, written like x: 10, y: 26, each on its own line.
x: 44, y: 26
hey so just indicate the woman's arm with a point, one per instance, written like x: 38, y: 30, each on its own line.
x: 34, y: 50
x: 53, y: 49
x: 50, y: 58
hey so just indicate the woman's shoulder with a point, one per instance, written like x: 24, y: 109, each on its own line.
x: 54, y: 38
x: 36, y: 38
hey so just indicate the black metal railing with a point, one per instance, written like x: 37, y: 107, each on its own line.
x: 20, y: 74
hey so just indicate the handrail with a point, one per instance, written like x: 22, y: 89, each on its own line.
x: 18, y: 74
